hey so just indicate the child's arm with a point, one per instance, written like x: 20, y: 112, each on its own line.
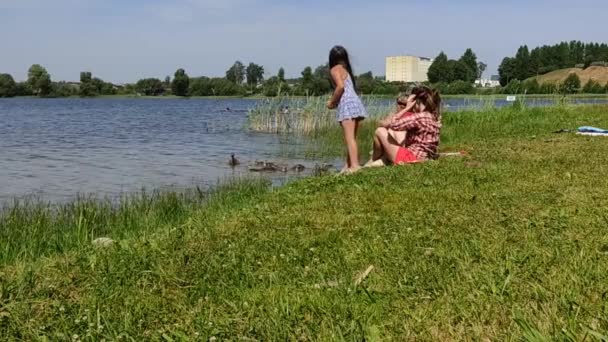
x: 405, y: 123
x: 336, y: 74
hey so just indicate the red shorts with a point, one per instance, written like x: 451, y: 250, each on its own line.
x: 405, y: 156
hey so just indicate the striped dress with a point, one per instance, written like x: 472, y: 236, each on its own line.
x: 350, y: 106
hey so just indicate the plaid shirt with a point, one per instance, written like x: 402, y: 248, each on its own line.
x: 423, y: 130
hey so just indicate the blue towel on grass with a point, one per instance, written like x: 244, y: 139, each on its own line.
x: 589, y: 129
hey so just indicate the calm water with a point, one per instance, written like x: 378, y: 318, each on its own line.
x: 58, y: 148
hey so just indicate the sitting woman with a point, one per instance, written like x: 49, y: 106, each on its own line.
x: 420, y: 120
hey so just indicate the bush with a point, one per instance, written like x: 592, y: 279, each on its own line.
x: 150, y: 87
x: 514, y: 87
x: 455, y: 88
x: 531, y: 87
x: 63, y: 89
x: 548, y: 88
x: 204, y: 86
x: 593, y: 87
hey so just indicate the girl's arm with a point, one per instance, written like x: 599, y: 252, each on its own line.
x: 336, y: 75
x: 386, y: 123
x: 406, y: 123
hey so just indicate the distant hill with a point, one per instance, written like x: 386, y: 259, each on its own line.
x: 596, y: 73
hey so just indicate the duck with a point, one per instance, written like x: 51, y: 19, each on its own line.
x: 233, y: 161
x: 326, y: 167
x: 298, y: 168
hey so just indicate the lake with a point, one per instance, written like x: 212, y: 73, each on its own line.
x: 55, y: 149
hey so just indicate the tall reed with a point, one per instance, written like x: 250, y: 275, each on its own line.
x: 303, y: 116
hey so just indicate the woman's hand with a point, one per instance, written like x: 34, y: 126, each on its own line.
x: 331, y: 104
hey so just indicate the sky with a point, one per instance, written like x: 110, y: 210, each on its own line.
x: 124, y: 40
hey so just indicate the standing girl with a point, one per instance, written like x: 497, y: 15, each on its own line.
x: 350, y: 108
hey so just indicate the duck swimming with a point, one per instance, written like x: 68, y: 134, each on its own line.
x: 233, y: 161
x: 298, y: 168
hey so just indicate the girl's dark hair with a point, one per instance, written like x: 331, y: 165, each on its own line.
x: 430, y: 98
x: 339, y: 55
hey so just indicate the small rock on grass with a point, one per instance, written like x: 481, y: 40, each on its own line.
x: 103, y: 242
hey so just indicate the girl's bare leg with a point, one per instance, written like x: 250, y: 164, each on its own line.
x: 388, y: 147
x: 349, y: 128
x: 378, y: 150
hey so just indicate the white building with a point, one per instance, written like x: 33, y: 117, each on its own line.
x: 491, y: 82
x: 407, y: 69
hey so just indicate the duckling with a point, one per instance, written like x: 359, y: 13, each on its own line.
x: 298, y: 168
x: 326, y: 167
x: 233, y: 161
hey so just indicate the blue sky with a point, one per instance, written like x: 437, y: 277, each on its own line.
x: 122, y: 41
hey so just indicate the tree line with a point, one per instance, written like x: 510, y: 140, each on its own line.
x: 452, y: 76
x: 544, y: 59
x: 239, y: 80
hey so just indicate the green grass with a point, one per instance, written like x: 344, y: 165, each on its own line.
x: 507, y: 244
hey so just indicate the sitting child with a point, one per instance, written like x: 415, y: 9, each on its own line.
x: 420, y: 121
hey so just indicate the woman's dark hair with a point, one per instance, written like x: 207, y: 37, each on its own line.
x: 339, y: 55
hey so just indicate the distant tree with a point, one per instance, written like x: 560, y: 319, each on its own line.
x: 86, y: 76
x: 460, y: 71
x: 255, y: 75
x: 481, y: 68
x: 272, y: 86
x: 87, y: 88
x: 181, y: 83
x: 321, y: 80
x: 167, y: 82
x: 572, y: 84
x: 307, y: 75
x: 522, y: 64
x: 150, y: 86
x: 39, y: 80
x: 305, y: 87
x: 469, y: 59
x: 322, y: 71
x: 281, y: 75
x: 507, y: 70
x: 98, y: 84
x: 440, y: 70
x: 366, y: 83
x: 236, y: 73
x: 544, y: 59
x: 204, y: 86
x: 8, y: 87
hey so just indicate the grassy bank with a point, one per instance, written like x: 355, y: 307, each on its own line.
x: 506, y: 244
